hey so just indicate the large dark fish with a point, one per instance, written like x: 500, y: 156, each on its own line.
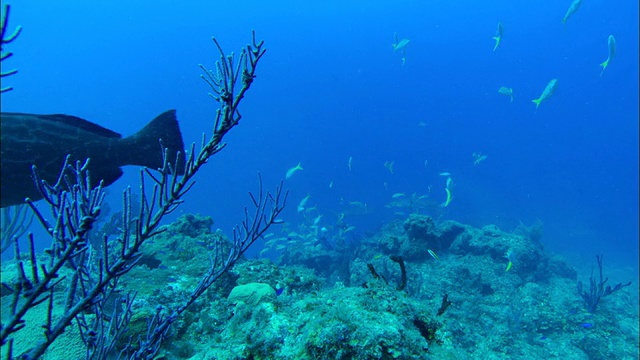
x: 45, y: 141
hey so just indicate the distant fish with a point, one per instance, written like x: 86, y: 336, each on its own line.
x: 575, y: 5
x: 293, y: 170
x: 448, y: 200
x: 548, y: 91
x: 506, y: 91
x: 357, y: 208
x: 45, y: 141
x: 479, y: 157
x: 401, y: 45
x: 510, y: 255
x: 611, y: 42
x: 433, y: 254
x: 448, y: 189
x: 398, y: 195
x: 389, y: 166
x: 498, y: 36
x: 303, y: 203
x: 349, y: 162
x: 444, y: 174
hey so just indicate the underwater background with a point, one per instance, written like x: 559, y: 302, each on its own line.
x: 368, y: 127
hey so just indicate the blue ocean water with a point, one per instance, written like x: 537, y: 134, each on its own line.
x: 331, y: 88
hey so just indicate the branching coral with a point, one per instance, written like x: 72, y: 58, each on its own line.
x: 91, y: 293
x: 6, y: 39
x: 597, y: 289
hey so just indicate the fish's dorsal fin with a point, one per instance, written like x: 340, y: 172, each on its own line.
x: 81, y: 123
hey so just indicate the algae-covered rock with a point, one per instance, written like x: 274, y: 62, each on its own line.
x: 192, y: 225
x: 340, y: 322
x: 291, y: 279
x: 420, y: 227
x: 560, y: 267
x: 422, y: 235
x: 252, y: 294
x: 447, y: 232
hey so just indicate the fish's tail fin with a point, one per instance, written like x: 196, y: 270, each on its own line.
x: 145, y: 147
x: 511, y: 97
x: 604, y: 66
x: 497, y: 39
x: 537, y: 101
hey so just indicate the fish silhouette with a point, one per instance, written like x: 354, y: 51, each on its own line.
x: 45, y: 141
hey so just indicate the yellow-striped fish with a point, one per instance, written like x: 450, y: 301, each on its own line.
x: 548, y: 91
x: 611, y: 42
x: 498, y: 36
x: 575, y: 5
x: 293, y: 170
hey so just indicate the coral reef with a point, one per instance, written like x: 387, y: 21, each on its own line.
x: 465, y: 305
x: 335, y: 323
